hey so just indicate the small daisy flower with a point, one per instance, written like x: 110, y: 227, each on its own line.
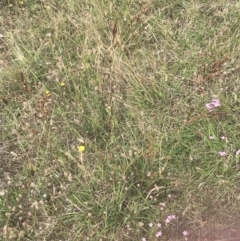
x: 222, y: 153
x: 150, y: 225
x: 144, y: 239
x: 211, y: 137
x: 158, y: 234
x: 223, y: 137
x: 238, y: 152
x: 140, y: 224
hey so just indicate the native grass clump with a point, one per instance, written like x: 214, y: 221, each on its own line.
x: 119, y: 121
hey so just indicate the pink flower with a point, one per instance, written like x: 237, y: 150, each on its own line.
x: 159, y: 225
x: 216, y: 102
x: 213, y: 104
x: 158, y: 234
x: 144, y: 239
x: 238, y: 152
x: 167, y: 220
x: 185, y: 233
x: 222, y: 153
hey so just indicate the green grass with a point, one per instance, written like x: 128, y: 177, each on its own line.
x: 130, y: 81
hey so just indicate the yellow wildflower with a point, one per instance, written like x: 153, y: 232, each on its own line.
x: 62, y: 84
x: 47, y: 92
x: 81, y: 148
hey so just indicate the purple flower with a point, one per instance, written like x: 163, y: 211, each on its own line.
x: 213, y: 104
x: 222, y: 153
x: 158, y: 234
x: 185, y: 233
x: 238, y: 152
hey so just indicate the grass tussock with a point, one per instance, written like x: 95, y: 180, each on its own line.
x: 119, y: 121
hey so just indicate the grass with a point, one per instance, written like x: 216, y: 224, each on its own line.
x: 130, y: 82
